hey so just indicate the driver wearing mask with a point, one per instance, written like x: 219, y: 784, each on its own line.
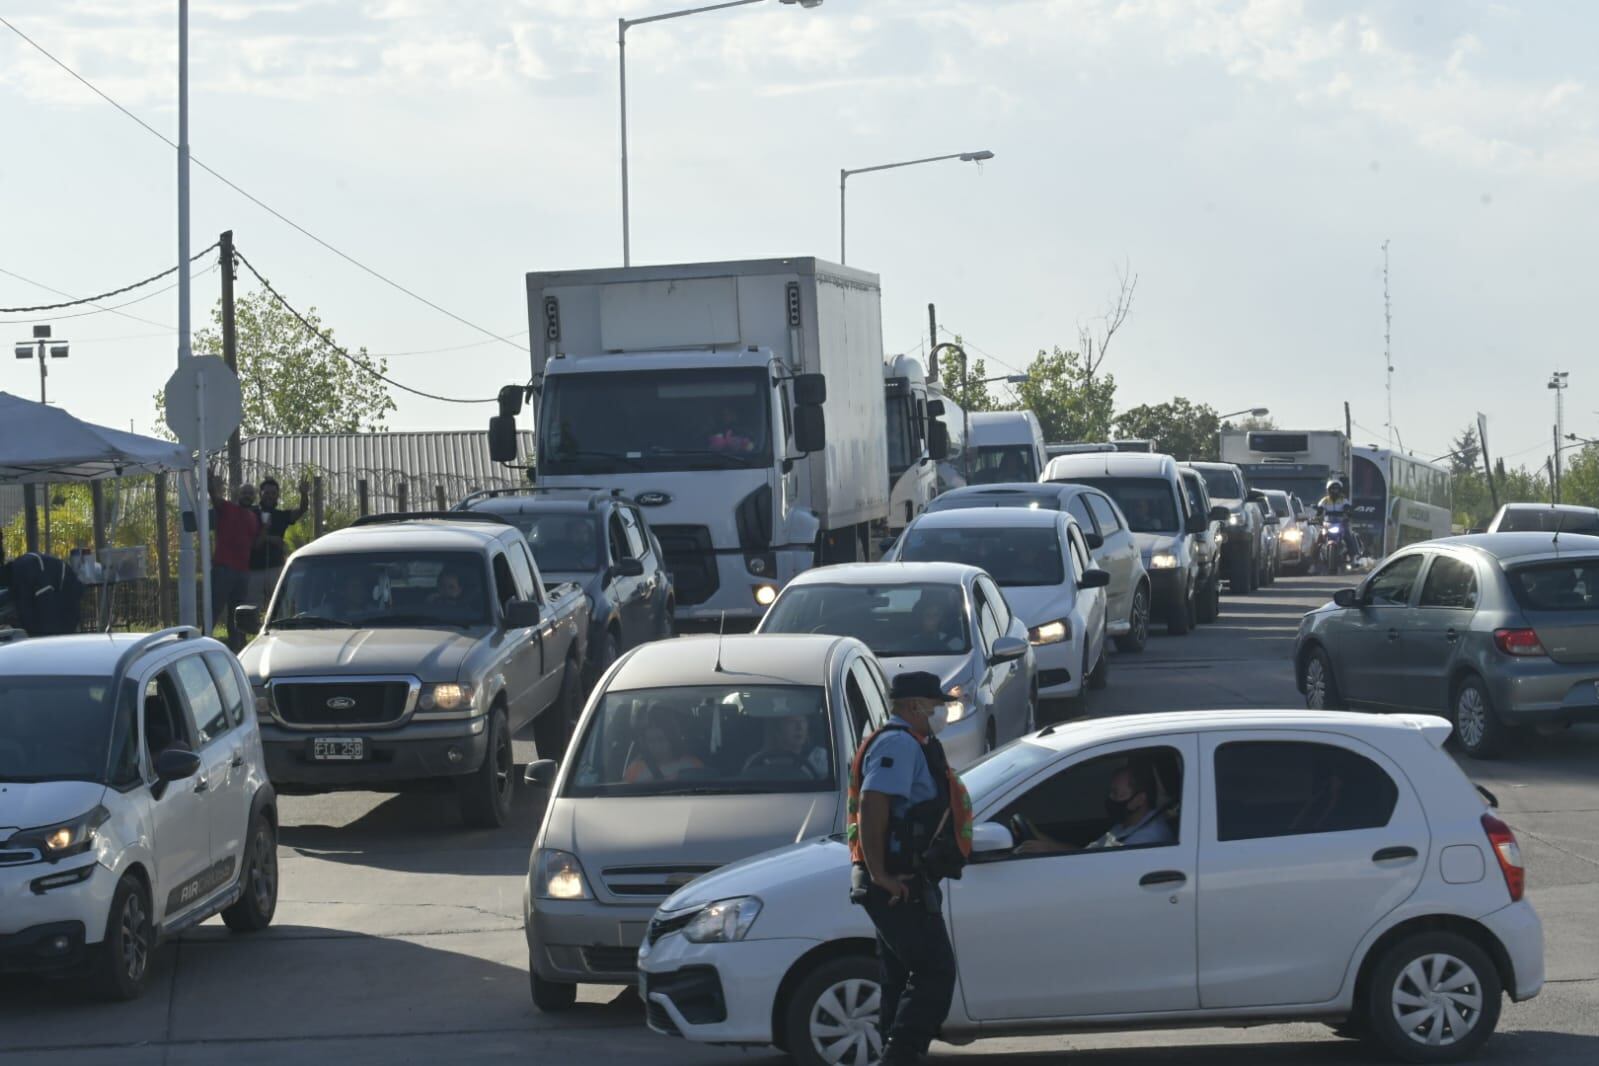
x: 1130, y: 802
x: 788, y: 744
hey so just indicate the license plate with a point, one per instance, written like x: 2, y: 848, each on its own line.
x: 338, y: 749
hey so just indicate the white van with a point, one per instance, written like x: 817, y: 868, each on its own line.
x: 1007, y: 446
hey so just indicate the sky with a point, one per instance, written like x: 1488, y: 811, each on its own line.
x: 1245, y: 159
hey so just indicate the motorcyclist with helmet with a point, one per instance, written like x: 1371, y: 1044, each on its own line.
x: 1335, y: 507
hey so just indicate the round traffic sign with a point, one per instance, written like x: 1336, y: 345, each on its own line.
x: 203, y: 392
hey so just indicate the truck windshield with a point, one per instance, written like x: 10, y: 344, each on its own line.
x: 54, y: 728
x: 656, y: 420
x: 895, y: 621
x: 1001, y: 463
x: 1223, y: 484
x: 359, y: 590
x: 706, y: 740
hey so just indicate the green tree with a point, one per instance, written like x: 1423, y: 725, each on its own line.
x: 292, y: 382
x: 1465, y: 451
x: 1253, y: 424
x: 1579, y: 482
x: 972, y: 393
x: 1071, y: 404
x: 1179, y: 427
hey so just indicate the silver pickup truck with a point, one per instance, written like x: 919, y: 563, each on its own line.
x: 411, y: 648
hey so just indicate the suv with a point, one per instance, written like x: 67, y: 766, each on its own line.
x: 1207, y: 545
x: 1149, y: 490
x: 600, y: 541
x: 410, y: 648
x: 134, y: 802
x: 1243, y: 553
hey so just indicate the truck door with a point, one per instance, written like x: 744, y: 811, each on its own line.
x: 526, y: 653
x: 633, y: 594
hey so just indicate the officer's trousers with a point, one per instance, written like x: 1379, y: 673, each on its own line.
x: 918, y: 968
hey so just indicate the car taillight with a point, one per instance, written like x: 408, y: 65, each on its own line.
x: 1518, y: 641
x: 1508, y: 852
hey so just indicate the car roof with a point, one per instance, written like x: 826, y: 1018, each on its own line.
x: 1059, y: 489
x: 746, y: 658
x: 1078, y: 734
x: 82, y: 654
x: 1213, y: 466
x: 1527, y: 546
x: 575, y: 503
x: 888, y: 574
x: 421, y: 534
x: 1111, y: 464
x: 1565, y: 508
x: 991, y: 518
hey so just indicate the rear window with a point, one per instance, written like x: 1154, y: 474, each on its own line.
x: 1013, y: 557
x: 1147, y: 502
x: 1563, y: 585
x: 1547, y: 520
x: 1279, y: 505
x: 1223, y: 484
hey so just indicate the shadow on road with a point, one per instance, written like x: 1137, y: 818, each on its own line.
x: 1520, y: 1046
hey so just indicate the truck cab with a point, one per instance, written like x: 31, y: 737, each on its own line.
x: 1006, y: 446
x: 917, y: 440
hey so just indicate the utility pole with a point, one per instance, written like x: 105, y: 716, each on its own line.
x: 230, y: 353
x: 186, y: 541
x: 1387, y: 342
x: 1487, y: 463
x: 1558, y: 382
x: 932, y: 343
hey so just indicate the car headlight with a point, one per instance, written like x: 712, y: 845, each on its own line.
x: 448, y: 696
x: 723, y: 922
x: 1163, y: 561
x: 1051, y: 632
x: 961, y: 704
x: 559, y: 876
x: 1293, y: 536
x: 63, y: 839
x: 1235, y: 519
x: 764, y: 594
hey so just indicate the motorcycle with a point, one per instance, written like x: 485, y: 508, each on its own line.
x: 1332, y: 553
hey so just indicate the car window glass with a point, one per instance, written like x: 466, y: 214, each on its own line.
x: 1450, y: 583
x: 205, y: 702
x: 521, y: 570
x: 1077, y: 506
x: 532, y: 570
x: 227, y: 681
x: 1079, y: 552
x: 860, y: 717
x: 620, y: 549
x: 166, y: 725
x: 1069, y: 810
x: 1562, y: 585
x: 1196, y: 499
x: 635, y: 537
x: 876, y: 689
x: 996, y: 603
x: 504, y: 583
x: 123, y: 766
x: 1391, y: 586
x: 987, y: 623
x: 1104, y: 513
x: 1293, y: 788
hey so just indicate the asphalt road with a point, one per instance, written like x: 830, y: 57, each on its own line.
x: 398, y: 936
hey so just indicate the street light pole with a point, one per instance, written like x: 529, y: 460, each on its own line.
x: 844, y: 176
x: 622, y: 26
x: 1558, y: 382
x: 57, y: 348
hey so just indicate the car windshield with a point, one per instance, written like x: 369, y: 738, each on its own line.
x: 675, y: 420
x: 561, y: 541
x: 358, y: 590
x: 1147, y: 502
x: 54, y: 728
x: 1567, y: 585
x: 706, y: 740
x: 1223, y: 484
x: 1002, y: 462
x: 895, y: 621
x: 1013, y: 556
x: 999, y: 769
x: 1547, y: 520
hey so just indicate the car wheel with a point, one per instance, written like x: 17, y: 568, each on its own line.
x: 1137, y: 635
x: 486, y: 792
x: 1032, y: 710
x: 552, y: 730
x: 1433, y: 997
x: 551, y: 997
x: 609, y: 649
x: 990, y: 737
x: 1209, y: 602
x: 1321, y: 687
x: 259, y: 901
x: 1179, y: 614
x: 667, y: 629
x: 1238, y: 576
x: 1478, y: 730
x: 831, y: 1018
x: 122, y: 962
x: 1099, y: 676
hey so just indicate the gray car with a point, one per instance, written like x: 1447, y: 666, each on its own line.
x: 691, y: 754
x: 1496, y: 631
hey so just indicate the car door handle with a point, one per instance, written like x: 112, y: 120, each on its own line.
x: 1391, y: 854
x: 1451, y: 636
x: 1393, y: 634
x: 201, y: 784
x: 1163, y: 877
x: 238, y: 759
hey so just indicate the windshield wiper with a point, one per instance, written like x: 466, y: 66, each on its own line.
x: 567, y: 456
x: 699, y: 790
x: 310, y: 621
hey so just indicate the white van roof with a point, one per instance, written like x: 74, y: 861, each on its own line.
x: 1005, y: 427
x: 1110, y: 464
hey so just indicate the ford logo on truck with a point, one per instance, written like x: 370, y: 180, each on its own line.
x: 340, y: 703
x: 652, y: 499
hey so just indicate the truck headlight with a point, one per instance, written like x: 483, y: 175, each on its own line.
x: 1051, y: 632
x: 559, y: 876
x: 765, y: 595
x: 1163, y: 561
x: 63, y: 839
x: 448, y: 696
x: 723, y: 922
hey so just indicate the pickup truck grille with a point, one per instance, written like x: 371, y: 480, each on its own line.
x: 341, y: 703
x: 659, y: 881
x: 690, y: 558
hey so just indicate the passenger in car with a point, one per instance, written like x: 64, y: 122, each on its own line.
x: 1138, y: 822
x: 938, y: 625
x: 662, y: 757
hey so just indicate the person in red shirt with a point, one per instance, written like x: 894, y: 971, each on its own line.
x: 237, y: 531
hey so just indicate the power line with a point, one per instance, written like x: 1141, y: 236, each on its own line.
x: 104, y: 295
x: 59, y: 292
x: 253, y: 199
x: 114, y: 309
x: 438, y: 351
x: 364, y: 365
x: 986, y: 355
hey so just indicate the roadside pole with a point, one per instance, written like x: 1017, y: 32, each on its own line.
x: 186, y: 575
x: 230, y: 353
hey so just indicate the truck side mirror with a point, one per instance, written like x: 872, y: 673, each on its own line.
x: 810, y: 429
x: 510, y: 399
x: 938, y: 440
x: 247, y: 618
x: 810, y: 390
x: 935, y: 407
x: 521, y: 614
x: 502, y: 439
x: 1220, y: 514
x: 629, y: 568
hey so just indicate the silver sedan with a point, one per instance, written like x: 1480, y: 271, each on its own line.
x: 1498, y: 631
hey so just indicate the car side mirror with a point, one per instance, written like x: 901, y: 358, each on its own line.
x: 1197, y: 524
x: 247, y: 619
x: 938, y: 441
x: 1008, y: 649
x: 1094, y: 579
x: 176, y: 764
x: 1273, y: 520
x: 1220, y: 514
x: 1347, y: 598
x: 541, y: 774
x: 991, y: 838
x: 629, y: 568
x: 810, y: 429
x: 521, y: 614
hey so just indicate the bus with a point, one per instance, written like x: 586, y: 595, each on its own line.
x: 1398, y: 499
x: 1299, y: 462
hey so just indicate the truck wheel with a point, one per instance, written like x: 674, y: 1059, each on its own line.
x: 551, y: 997
x: 486, y: 792
x: 552, y: 730
x: 831, y: 1017
x: 1432, y: 997
x: 253, y: 912
x: 1179, y: 613
x: 1137, y: 634
x: 122, y: 961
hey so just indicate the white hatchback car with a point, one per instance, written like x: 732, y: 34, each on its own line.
x: 1326, y: 866
x: 134, y: 802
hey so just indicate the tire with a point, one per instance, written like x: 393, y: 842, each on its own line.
x: 1032, y: 710
x: 259, y: 880
x: 1209, y: 603
x: 668, y: 627
x: 1099, y: 676
x: 121, y: 963
x: 551, y: 997
x: 1179, y: 614
x: 1412, y: 981
x: 1321, y: 685
x: 486, y: 792
x: 610, y: 647
x: 990, y: 737
x: 1137, y: 635
x: 840, y: 994
x: 552, y: 730
x: 1238, y: 576
x: 1478, y: 730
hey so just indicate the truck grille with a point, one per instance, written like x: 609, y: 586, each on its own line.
x: 659, y: 881
x: 341, y: 703
x: 690, y: 558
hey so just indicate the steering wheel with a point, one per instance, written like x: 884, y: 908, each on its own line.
x: 777, y: 758
x: 1022, y: 828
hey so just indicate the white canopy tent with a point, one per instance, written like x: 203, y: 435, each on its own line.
x: 40, y: 443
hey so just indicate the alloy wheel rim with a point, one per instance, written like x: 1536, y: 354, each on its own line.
x: 264, y: 871
x: 135, y: 944
x: 843, y: 1023
x: 503, y: 766
x: 1471, y: 716
x: 1140, y: 618
x: 1437, y: 1000
x: 1315, y: 685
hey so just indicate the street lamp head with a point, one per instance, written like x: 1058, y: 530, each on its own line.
x: 58, y: 351
x: 24, y: 351
x: 1017, y: 379
x: 41, y: 333
x: 972, y: 157
x: 805, y: 3
x: 1259, y: 412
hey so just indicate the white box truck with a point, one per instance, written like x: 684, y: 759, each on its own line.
x: 740, y: 403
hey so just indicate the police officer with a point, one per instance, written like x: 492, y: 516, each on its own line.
x: 900, y: 802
